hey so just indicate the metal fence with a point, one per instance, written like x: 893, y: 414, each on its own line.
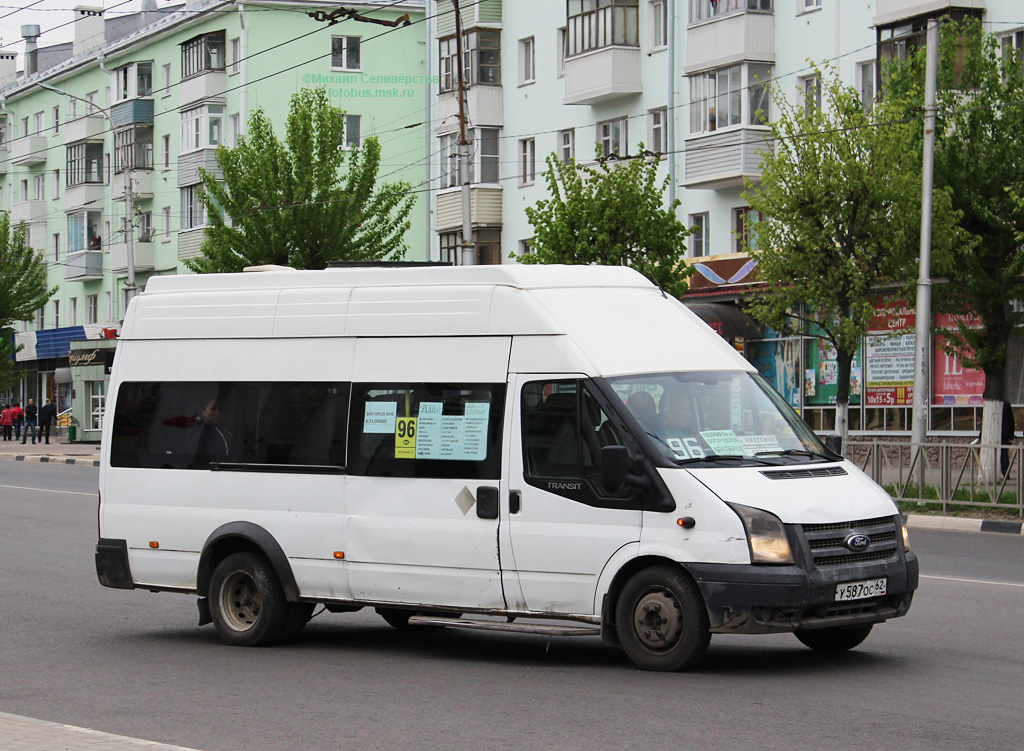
x: 950, y: 474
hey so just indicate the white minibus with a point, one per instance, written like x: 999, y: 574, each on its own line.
x: 548, y: 449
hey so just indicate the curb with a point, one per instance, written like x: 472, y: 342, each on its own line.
x: 959, y: 524
x: 56, y: 460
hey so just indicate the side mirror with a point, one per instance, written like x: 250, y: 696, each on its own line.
x: 834, y: 443
x: 615, y: 470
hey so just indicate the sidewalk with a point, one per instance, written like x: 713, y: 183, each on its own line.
x: 25, y: 734
x: 58, y: 451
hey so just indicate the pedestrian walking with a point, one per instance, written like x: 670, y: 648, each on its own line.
x: 31, y: 417
x: 47, y: 414
x: 6, y: 421
x: 18, y: 420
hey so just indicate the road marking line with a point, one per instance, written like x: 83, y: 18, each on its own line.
x: 972, y: 581
x: 45, y: 490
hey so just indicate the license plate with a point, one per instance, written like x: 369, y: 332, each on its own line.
x: 860, y: 590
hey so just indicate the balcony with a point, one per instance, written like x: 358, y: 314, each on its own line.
x: 29, y: 211
x: 5, y: 158
x: 603, y: 54
x: 84, y: 195
x: 203, y: 86
x: 483, y: 108
x: 131, y: 112
x: 84, y: 265
x: 143, y: 256
x: 485, y: 208
x: 28, y: 150
x: 730, y: 39
x: 86, y: 128
x: 142, y: 184
x: 720, y: 160
x: 890, y: 11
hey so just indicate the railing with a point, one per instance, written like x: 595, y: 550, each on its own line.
x: 603, y: 27
x: 947, y: 476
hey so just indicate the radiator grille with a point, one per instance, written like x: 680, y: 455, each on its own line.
x: 826, y: 541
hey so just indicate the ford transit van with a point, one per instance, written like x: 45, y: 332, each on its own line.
x: 549, y: 449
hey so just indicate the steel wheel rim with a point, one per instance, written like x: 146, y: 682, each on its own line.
x: 240, y: 601
x: 658, y: 620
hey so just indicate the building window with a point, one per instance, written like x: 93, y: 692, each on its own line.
x: 703, y: 10
x: 486, y: 161
x: 37, y: 121
x: 97, y: 399
x: 133, y: 81
x: 84, y: 231
x: 166, y: 79
x: 133, y: 148
x: 1012, y: 48
x: 353, y: 126
x: 167, y: 151
x: 202, y: 127
x: 611, y: 137
x: 234, y: 55
x: 56, y: 247
x: 345, y: 53
x: 595, y: 24
x: 488, y: 247
x: 56, y: 120
x: 192, y: 212
x: 56, y: 314
x: 234, y: 130
x: 561, y: 42
x: 449, y: 160
x: 91, y: 308
x: 700, y: 241
x: 659, y: 24
x: 526, y: 247
x: 145, y: 226
x: 866, y: 84
x: 85, y: 164
x: 202, y: 53
x: 56, y: 183
x: 92, y: 97
x: 810, y: 91
x: 109, y: 298
x: 450, y: 245
x: 527, y: 161
x: 744, y: 224
x: 73, y: 311
x: 527, y: 61
x: 567, y: 144
x: 39, y: 188
x: 481, y: 51
x: 811, y: 5
x: 716, y: 97
x: 166, y: 219
x: 656, y: 131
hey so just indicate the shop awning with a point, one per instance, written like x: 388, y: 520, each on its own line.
x: 728, y: 320
x: 62, y: 375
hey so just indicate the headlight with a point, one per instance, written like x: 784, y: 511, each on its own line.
x: 766, y: 535
x: 906, y: 537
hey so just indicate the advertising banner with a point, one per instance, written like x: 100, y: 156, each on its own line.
x: 955, y: 385
x: 889, y: 356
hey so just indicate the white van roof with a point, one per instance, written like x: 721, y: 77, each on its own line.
x: 621, y: 321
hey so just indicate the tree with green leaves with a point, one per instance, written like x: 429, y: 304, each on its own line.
x: 613, y: 214
x: 841, y: 195
x: 979, y: 161
x: 289, y: 203
x: 23, y: 290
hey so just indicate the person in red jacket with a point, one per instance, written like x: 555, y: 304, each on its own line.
x: 6, y: 421
x: 19, y: 420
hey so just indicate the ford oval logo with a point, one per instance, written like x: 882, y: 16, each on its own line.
x: 857, y: 542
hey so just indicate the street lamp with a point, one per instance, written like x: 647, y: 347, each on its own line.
x: 128, y: 198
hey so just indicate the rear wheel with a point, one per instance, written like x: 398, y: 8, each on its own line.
x: 661, y: 620
x: 247, y: 602
x: 833, y: 639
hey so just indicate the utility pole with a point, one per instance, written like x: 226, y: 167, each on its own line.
x: 129, y: 208
x: 922, y: 330
x: 468, y: 246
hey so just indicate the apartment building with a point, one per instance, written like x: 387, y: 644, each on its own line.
x: 684, y: 79
x: 144, y: 100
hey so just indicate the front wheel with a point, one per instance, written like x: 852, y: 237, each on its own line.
x: 247, y: 602
x: 661, y: 620
x: 833, y: 639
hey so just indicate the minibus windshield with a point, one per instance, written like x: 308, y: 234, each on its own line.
x: 717, y: 419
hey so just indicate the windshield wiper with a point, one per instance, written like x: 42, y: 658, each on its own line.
x: 724, y: 457
x: 795, y: 452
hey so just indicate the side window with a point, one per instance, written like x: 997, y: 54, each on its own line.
x: 241, y: 425
x: 439, y: 430
x: 564, y: 430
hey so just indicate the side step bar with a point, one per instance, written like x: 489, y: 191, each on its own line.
x: 542, y: 629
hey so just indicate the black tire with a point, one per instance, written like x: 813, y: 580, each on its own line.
x: 662, y: 621
x: 833, y: 639
x: 298, y: 616
x: 247, y: 602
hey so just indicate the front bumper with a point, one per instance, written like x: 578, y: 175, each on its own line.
x: 752, y: 599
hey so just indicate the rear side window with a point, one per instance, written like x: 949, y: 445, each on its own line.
x: 230, y: 425
x: 437, y: 430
